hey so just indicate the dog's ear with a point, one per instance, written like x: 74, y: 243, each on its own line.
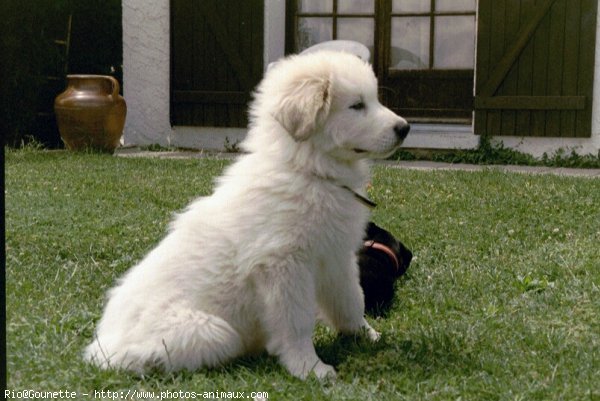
x: 304, y: 105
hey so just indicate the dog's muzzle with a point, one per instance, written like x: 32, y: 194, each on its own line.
x: 401, y: 130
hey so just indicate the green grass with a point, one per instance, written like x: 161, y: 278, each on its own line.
x: 502, y: 301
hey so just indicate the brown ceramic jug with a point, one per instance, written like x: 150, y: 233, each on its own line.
x: 91, y: 113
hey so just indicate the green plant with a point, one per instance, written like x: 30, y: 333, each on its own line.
x: 231, y: 147
x: 562, y: 158
x: 488, y: 153
x: 157, y: 148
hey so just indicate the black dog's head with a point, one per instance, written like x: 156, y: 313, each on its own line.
x: 382, y: 259
x: 378, y: 235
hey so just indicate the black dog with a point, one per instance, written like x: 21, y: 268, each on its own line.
x: 382, y: 260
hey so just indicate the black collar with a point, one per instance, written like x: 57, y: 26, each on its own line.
x: 362, y: 199
x: 365, y: 201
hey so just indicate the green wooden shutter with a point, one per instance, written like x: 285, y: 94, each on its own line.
x: 216, y: 60
x: 535, y: 67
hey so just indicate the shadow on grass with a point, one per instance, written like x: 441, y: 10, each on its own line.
x: 424, y: 355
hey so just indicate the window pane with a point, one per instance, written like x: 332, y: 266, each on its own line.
x: 356, y: 6
x: 315, y: 6
x: 454, y: 45
x: 411, y: 6
x: 410, y: 43
x: 455, y: 5
x: 358, y: 29
x: 312, y: 31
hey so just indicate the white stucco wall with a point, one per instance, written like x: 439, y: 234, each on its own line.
x: 146, y: 63
x: 146, y: 48
x: 274, y: 31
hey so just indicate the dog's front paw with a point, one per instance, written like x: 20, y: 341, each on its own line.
x: 304, y: 367
x: 323, y: 371
x: 370, y: 333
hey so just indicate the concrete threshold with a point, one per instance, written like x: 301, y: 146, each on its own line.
x: 410, y: 165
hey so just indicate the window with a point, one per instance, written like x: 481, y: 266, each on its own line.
x: 432, y: 34
x: 319, y: 21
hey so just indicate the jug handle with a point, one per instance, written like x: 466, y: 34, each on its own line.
x: 115, y: 86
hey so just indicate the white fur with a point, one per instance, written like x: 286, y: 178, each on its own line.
x: 249, y: 267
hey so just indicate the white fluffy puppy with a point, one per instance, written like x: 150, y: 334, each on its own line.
x: 250, y: 267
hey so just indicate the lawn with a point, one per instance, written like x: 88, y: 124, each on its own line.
x: 502, y: 301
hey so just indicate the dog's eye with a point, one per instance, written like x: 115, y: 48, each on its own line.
x: 358, y: 106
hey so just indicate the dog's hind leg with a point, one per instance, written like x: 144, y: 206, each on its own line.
x: 196, y: 339
x: 180, y: 339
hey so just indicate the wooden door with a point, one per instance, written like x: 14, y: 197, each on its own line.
x: 216, y: 60
x: 535, y: 67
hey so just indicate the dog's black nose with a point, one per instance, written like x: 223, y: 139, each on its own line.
x: 401, y: 130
